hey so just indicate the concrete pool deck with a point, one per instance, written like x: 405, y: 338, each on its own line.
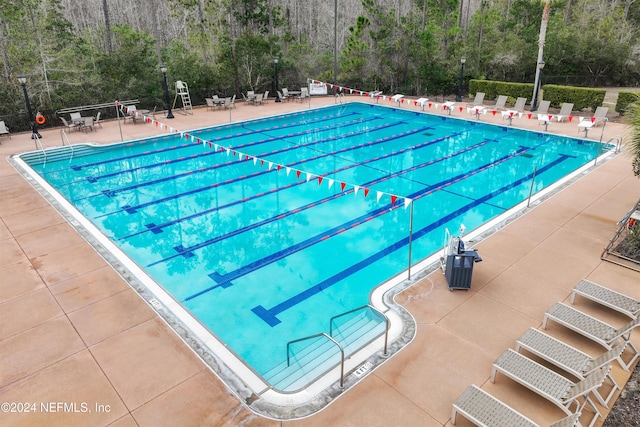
x: 77, y: 339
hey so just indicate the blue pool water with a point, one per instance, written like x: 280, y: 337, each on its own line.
x: 266, y: 238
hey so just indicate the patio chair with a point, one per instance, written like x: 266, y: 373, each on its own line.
x: 554, y: 387
x: 75, y: 116
x: 96, y: 121
x: 285, y: 93
x: 501, y: 102
x: 68, y: 125
x: 483, y: 409
x: 570, y: 358
x: 607, y: 297
x: 477, y: 101
x: 281, y: 95
x: 258, y: 99
x: 304, y: 93
x: 87, y: 124
x: 265, y: 97
x: 4, y: 130
x: 421, y: 102
x: 594, y: 329
x: 210, y: 104
x: 600, y: 116
x: 565, y: 111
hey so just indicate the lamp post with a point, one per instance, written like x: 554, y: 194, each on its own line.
x: 163, y: 68
x: 462, y: 61
x: 34, y: 126
x: 275, y: 64
x: 536, y: 87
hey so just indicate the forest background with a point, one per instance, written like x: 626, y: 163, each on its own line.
x: 83, y: 52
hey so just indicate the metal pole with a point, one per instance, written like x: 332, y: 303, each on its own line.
x: 163, y: 68
x: 410, y: 240
x: 459, y: 97
x: 533, y: 179
x: 118, y: 117
x: 335, y: 41
x: 275, y: 61
x: 34, y: 126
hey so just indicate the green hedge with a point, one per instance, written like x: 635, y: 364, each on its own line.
x: 625, y: 99
x: 580, y: 97
x: 494, y: 88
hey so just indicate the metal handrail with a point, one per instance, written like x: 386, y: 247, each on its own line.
x: 94, y: 106
x: 65, y: 138
x: 384, y: 316
x: 330, y: 339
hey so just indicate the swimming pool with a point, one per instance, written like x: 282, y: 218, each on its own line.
x: 264, y: 230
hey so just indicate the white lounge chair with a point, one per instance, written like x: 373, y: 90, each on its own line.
x: 570, y: 358
x: 485, y: 410
x: 544, y: 118
x: 607, y: 297
x: 68, y: 125
x: 554, y: 387
x: 501, y: 102
x: 4, y: 130
x: 565, y: 111
x: 477, y: 101
x: 594, y: 329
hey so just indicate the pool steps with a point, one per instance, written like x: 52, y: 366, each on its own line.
x: 321, y: 355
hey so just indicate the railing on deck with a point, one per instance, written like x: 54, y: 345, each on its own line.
x: 330, y: 336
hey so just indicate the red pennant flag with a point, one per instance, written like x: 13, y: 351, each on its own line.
x: 494, y: 112
x: 429, y: 105
x: 510, y: 113
x: 246, y: 156
x: 279, y: 166
x: 570, y: 119
x: 234, y: 153
x: 378, y: 96
x: 209, y: 145
x: 529, y: 115
x: 186, y: 135
x: 366, y: 191
x: 444, y: 107
x: 298, y: 173
x: 261, y: 162
x: 461, y: 110
x: 476, y: 110
x: 319, y: 180
x: 593, y: 119
x: 342, y: 185
x: 393, y: 199
x: 415, y: 103
x: 550, y: 117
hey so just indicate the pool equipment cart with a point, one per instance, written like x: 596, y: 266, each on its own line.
x: 457, y: 262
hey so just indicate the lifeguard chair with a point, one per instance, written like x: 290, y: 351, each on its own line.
x: 182, y: 92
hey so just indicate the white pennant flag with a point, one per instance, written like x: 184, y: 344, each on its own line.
x: 407, y: 202
x: 270, y: 165
x: 288, y: 170
x: 355, y: 189
x: 330, y: 182
x: 309, y: 176
x: 255, y: 161
x: 378, y: 195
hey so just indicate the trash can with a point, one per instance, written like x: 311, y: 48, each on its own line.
x: 459, y: 269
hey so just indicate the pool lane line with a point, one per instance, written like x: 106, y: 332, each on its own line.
x: 270, y: 315
x: 157, y: 228
x: 188, y: 252
x: 221, y: 138
x: 224, y: 280
x: 133, y: 209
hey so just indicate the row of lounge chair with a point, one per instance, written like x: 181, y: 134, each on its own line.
x: 592, y: 373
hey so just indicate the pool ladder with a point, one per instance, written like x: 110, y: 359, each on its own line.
x: 334, y: 341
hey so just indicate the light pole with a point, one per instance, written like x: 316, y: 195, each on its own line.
x: 536, y: 88
x: 163, y: 68
x: 462, y: 61
x: 34, y: 126
x: 275, y: 64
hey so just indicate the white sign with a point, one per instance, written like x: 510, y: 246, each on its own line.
x: 317, y: 89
